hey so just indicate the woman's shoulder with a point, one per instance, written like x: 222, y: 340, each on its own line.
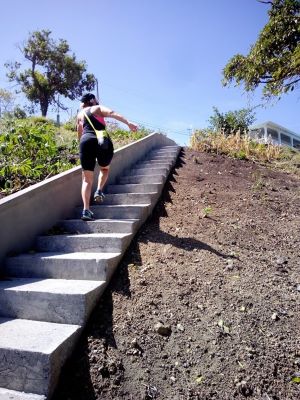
x: 83, y: 111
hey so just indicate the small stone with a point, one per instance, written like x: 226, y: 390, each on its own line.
x: 229, y: 265
x: 281, y: 260
x: 173, y: 379
x: 275, y: 316
x: 298, y: 288
x: 161, y: 329
x: 244, y: 388
x: 134, y: 343
x: 180, y: 327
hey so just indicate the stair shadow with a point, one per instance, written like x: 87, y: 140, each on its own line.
x: 185, y: 243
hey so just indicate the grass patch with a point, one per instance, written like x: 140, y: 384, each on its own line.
x: 242, y: 147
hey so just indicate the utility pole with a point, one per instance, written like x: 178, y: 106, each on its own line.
x: 97, y: 89
x: 190, y: 130
x: 58, y: 116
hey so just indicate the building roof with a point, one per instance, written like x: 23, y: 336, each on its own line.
x: 276, y: 126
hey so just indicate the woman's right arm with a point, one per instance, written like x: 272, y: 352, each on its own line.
x: 107, y: 112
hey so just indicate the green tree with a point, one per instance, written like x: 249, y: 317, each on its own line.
x: 231, y: 121
x: 53, y: 71
x: 6, y: 101
x: 274, y: 60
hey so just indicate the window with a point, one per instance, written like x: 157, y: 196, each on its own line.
x: 285, y: 139
x: 258, y: 133
x: 273, y: 134
x: 296, y: 144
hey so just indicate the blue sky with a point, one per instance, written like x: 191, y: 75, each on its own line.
x: 158, y: 62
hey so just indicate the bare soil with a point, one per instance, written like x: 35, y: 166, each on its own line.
x: 205, y: 304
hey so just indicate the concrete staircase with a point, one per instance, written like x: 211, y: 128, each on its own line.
x: 49, y: 294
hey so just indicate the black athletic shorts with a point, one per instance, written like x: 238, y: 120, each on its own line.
x: 90, y: 150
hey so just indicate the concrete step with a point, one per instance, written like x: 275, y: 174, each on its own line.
x: 32, y: 354
x: 78, y: 265
x: 155, y: 163
x: 167, y: 147
x: 158, y: 162
x: 97, y: 226
x: 6, y: 394
x: 150, y: 164
x: 173, y: 151
x: 149, y: 171
x: 135, y: 188
x: 126, y: 211
x: 103, y: 242
x: 129, y: 198
x: 161, y: 158
x: 51, y: 300
x: 142, y: 179
x: 163, y: 155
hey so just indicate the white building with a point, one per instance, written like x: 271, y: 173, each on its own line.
x: 269, y: 132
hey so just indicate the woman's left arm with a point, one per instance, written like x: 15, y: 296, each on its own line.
x: 79, y: 126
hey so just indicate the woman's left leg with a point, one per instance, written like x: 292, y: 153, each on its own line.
x: 86, y: 189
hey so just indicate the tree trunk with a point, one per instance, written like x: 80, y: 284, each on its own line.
x: 44, y: 107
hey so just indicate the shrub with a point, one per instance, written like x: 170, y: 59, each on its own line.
x: 70, y: 125
x: 28, y: 153
x: 33, y: 149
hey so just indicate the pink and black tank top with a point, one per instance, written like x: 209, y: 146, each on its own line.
x: 98, y: 122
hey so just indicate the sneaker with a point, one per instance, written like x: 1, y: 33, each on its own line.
x: 99, y: 196
x: 87, y: 215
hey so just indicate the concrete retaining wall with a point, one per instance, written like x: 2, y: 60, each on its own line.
x: 32, y: 211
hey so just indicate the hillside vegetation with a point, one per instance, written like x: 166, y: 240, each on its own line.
x: 244, y: 148
x: 33, y: 149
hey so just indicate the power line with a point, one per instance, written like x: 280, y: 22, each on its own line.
x: 175, y: 131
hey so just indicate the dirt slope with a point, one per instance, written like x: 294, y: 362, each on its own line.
x: 202, y: 307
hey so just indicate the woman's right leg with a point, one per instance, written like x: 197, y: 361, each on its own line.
x: 104, y: 157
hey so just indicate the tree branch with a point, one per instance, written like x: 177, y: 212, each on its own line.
x: 293, y: 82
x: 265, y: 2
